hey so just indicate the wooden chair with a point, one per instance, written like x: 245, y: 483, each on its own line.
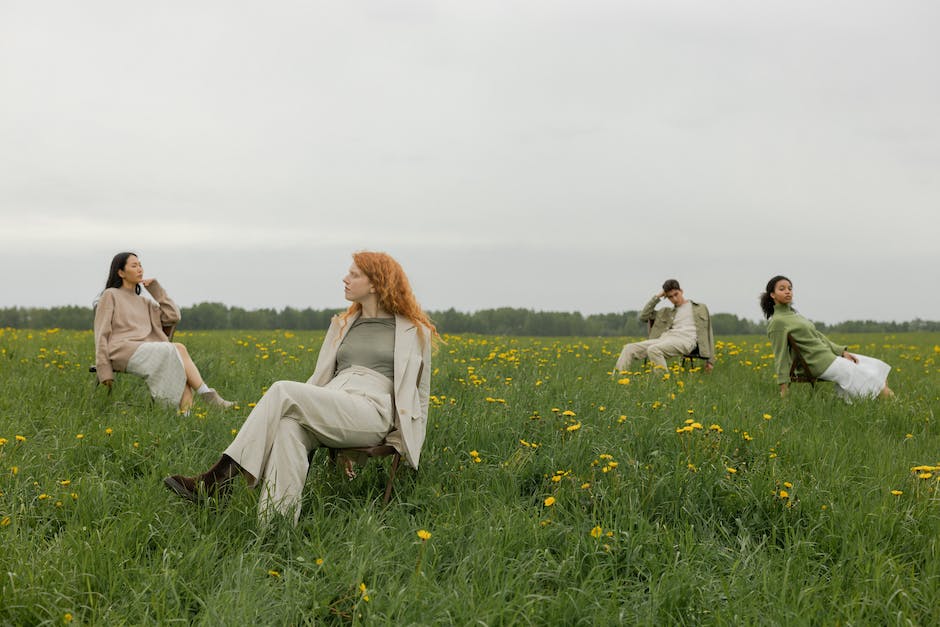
x: 799, y: 370
x: 382, y: 450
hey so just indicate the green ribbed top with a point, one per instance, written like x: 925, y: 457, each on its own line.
x: 817, y: 349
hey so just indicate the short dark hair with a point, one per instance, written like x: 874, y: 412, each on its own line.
x: 671, y: 284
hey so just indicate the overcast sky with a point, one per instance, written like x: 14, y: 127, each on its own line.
x: 554, y: 155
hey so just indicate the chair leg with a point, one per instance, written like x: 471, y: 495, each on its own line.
x: 391, y: 478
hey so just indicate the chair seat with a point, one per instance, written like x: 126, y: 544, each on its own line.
x: 380, y: 450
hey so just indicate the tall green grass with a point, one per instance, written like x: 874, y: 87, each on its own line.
x: 553, y: 493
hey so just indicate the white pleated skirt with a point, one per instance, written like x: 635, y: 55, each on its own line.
x: 160, y: 365
x: 864, y: 379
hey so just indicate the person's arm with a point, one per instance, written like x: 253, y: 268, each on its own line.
x: 711, y: 342
x: 326, y: 358
x: 782, y: 359
x: 424, y: 378
x: 649, y: 310
x: 103, y: 313
x: 169, y: 312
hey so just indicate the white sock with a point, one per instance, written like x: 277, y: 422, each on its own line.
x: 202, y: 389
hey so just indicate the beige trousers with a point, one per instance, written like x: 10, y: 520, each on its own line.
x: 293, y: 418
x: 658, y: 350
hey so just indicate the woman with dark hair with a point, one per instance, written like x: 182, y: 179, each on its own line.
x: 371, y: 384
x: 855, y: 376
x: 130, y: 337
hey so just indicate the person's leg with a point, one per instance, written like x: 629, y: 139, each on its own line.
x: 186, y: 401
x: 665, y: 347
x: 284, y: 475
x: 630, y: 352
x: 335, y: 418
x: 195, y: 381
x: 193, y: 378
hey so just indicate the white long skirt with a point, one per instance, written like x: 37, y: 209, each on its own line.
x: 864, y: 379
x: 160, y: 365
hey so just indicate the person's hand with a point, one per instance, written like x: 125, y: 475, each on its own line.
x: 662, y: 294
x: 850, y: 356
x: 709, y: 366
x: 784, y: 389
x: 108, y: 382
x: 147, y: 282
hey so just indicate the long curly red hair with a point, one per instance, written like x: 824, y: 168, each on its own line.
x: 392, y: 288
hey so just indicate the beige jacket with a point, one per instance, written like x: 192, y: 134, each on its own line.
x: 124, y: 321
x: 662, y: 320
x: 412, y: 386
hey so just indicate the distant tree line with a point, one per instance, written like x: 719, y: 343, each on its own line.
x: 501, y: 321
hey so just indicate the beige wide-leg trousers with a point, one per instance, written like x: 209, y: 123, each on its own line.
x: 658, y: 350
x: 293, y: 418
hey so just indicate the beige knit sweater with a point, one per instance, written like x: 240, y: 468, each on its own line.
x: 124, y: 321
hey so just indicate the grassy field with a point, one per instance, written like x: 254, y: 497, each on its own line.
x: 553, y: 494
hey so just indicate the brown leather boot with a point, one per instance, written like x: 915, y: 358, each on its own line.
x: 217, y: 481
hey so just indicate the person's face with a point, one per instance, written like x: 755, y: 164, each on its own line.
x: 675, y: 297
x: 133, y: 272
x: 783, y: 292
x: 357, y: 284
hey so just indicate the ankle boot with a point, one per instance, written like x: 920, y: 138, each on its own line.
x: 217, y: 481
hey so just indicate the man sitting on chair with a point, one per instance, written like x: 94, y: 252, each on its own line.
x: 674, y: 331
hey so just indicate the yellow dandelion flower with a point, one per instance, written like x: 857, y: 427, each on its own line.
x: 784, y: 494
x: 3, y: 441
x: 897, y: 492
x: 568, y: 412
x: 14, y: 470
x: 732, y: 471
x: 767, y: 416
x: 424, y: 535
x: 319, y: 561
x: 691, y: 467
x: 65, y: 482
x: 925, y: 475
x: 274, y: 573
x: 624, y: 381
x: 596, y: 532
x: 66, y: 618
x: 5, y: 521
x: 573, y: 427
x: 585, y: 485
x: 549, y: 501
x: 108, y: 431
x: 20, y: 438
x: 79, y: 436
x: 787, y: 484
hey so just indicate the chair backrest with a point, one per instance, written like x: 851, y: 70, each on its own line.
x: 799, y: 370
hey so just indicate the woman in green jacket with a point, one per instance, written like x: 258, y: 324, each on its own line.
x: 855, y: 376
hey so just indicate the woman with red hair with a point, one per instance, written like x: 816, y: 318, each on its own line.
x: 371, y: 384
